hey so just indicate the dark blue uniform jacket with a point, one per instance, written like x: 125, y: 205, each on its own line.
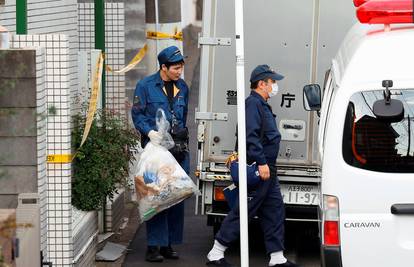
x: 263, y: 150
x: 149, y: 97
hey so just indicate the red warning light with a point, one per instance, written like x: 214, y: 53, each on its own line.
x: 357, y: 3
x: 385, y: 11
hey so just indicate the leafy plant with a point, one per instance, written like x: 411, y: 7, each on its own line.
x: 101, y: 164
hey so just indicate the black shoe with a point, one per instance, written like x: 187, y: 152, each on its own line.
x: 221, y: 262
x: 169, y: 253
x: 153, y: 254
x: 286, y: 264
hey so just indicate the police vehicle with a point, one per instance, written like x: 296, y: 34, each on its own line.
x: 366, y: 141
x: 296, y: 38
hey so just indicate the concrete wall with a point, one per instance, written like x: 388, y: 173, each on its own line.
x: 134, y: 40
x: 23, y: 129
x: 57, y: 73
x: 49, y: 17
x: 18, y: 125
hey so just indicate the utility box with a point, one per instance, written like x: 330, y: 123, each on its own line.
x: 8, y: 244
x: 28, y: 231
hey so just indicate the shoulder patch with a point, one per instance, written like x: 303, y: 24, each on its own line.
x: 136, y: 100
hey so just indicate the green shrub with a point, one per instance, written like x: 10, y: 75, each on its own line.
x: 102, y: 163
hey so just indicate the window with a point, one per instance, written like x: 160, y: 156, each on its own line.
x: 376, y: 145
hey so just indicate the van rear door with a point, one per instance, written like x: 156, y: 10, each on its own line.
x: 377, y: 185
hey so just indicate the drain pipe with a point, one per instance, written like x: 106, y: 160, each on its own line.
x: 100, y: 38
x: 21, y: 16
x: 99, y: 11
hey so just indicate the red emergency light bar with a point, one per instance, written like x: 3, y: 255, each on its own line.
x: 385, y: 11
x: 357, y: 3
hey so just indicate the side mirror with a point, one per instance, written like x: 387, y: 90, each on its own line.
x: 387, y: 109
x: 312, y: 97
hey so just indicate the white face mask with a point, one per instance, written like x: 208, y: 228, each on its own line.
x: 275, y: 90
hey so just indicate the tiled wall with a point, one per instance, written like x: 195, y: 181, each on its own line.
x: 54, y: 17
x: 115, y: 48
x: 59, y: 235
x: 41, y: 102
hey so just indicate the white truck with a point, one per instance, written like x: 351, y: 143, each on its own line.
x: 298, y: 38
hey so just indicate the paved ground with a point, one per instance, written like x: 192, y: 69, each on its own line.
x: 198, y: 239
x: 125, y: 236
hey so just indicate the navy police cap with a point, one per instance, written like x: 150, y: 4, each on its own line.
x: 170, y: 54
x: 264, y: 72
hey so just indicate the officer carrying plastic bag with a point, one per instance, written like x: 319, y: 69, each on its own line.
x: 161, y: 182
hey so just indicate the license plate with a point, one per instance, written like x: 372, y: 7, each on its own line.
x: 300, y: 194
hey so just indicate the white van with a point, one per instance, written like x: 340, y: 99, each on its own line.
x: 366, y: 145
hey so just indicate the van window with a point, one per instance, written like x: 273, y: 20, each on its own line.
x: 376, y: 145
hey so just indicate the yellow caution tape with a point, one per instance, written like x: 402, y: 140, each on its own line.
x: 63, y: 158
x: 162, y: 35
x: 137, y: 59
x: 97, y: 82
x: 143, y: 51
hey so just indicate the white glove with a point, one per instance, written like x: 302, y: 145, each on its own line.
x: 155, y: 137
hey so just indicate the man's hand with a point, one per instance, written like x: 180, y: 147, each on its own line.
x: 264, y: 172
x: 155, y: 137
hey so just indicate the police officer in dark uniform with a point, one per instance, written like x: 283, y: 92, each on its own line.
x: 265, y: 200
x: 166, y: 90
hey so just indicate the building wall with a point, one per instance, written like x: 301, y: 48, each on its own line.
x: 59, y: 20
x: 135, y: 39
x: 59, y: 209
x: 49, y: 17
x: 23, y: 129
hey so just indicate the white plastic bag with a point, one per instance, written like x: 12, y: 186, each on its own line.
x: 160, y: 181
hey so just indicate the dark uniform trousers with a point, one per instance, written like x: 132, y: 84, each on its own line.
x: 266, y: 202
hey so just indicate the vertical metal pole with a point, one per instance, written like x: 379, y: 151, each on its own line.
x: 313, y: 76
x: 241, y: 118
x: 157, y: 25
x: 100, y: 38
x: 21, y: 16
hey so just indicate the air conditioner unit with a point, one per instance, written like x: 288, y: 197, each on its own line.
x: 28, y: 212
